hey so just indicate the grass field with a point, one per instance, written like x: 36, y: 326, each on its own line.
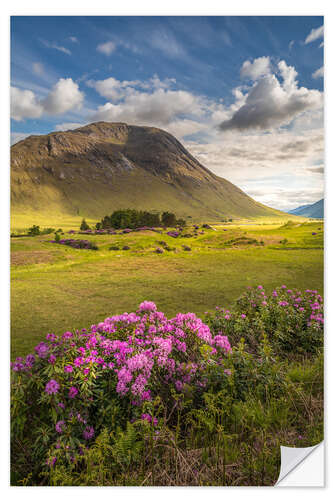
x: 56, y: 288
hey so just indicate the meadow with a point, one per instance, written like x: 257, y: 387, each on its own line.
x: 216, y: 363
x: 55, y: 287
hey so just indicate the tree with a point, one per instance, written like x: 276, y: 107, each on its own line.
x: 168, y: 219
x: 84, y: 226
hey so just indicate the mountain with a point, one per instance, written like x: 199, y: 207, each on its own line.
x: 95, y: 169
x: 314, y: 211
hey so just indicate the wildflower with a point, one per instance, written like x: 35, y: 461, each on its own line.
x: 72, y: 392
x: 88, y: 432
x: 147, y: 306
x: 179, y: 385
x: 42, y: 349
x: 59, y: 426
x: 227, y: 372
x: 68, y: 369
x: 243, y: 316
x: 52, y: 387
x: 52, y: 359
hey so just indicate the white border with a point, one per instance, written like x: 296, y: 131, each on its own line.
x: 144, y: 7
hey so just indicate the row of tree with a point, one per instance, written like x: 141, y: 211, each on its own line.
x: 131, y: 218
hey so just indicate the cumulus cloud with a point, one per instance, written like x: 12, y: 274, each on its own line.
x: 270, y: 104
x: 259, y: 67
x: 152, y: 102
x: 319, y: 73
x: 159, y: 107
x: 314, y: 34
x: 106, y: 48
x: 24, y: 104
x: 114, y: 89
x: 64, y: 96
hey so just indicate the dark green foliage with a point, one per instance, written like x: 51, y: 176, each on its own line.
x: 168, y: 219
x: 34, y: 230
x: 84, y: 226
x: 130, y: 218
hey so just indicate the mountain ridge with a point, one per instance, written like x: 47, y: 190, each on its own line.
x: 100, y: 167
x: 313, y: 211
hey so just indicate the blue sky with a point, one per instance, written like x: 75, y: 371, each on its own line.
x: 244, y: 94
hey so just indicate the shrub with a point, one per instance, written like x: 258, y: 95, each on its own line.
x: 159, y: 250
x: 84, y: 226
x: 123, y: 369
x: 187, y: 248
x: 293, y: 321
x: 34, y: 230
x: 114, y: 247
x: 126, y: 247
x: 81, y: 244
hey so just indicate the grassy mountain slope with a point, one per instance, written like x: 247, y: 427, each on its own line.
x: 96, y: 169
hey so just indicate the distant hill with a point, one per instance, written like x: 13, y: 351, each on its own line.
x: 98, y: 168
x: 314, y: 211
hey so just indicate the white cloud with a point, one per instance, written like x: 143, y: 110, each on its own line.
x: 64, y: 96
x: 114, y: 89
x: 259, y: 67
x: 38, y: 68
x: 17, y: 136
x: 69, y: 126
x: 314, y: 34
x: 268, y: 166
x: 158, y: 108
x: 319, y: 73
x: 73, y: 39
x: 24, y: 104
x: 289, y: 75
x: 165, y: 42
x: 106, y: 48
x: 54, y: 45
x: 270, y: 104
x: 321, y: 45
x: 291, y: 44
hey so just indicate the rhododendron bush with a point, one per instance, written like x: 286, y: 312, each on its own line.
x: 70, y: 381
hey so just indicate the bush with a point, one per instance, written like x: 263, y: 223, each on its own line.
x: 34, y: 230
x: 114, y: 247
x: 127, y: 368
x: 126, y: 247
x: 80, y: 244
x: 84, y: 226
x: 293, y: 321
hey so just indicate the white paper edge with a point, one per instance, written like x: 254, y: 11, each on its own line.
x: 302, y: 466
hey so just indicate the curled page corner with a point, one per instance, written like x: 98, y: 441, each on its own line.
x: 291, y: 458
